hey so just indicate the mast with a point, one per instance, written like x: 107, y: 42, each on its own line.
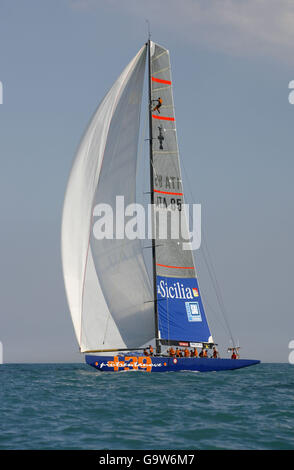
x: 157, y: 340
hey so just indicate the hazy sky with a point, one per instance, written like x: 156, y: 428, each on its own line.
x: 232, y: 61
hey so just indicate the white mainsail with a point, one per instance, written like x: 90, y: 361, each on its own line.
x: 179, y: 319
x: 107, y: 285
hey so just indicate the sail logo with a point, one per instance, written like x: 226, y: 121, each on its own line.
x: 175, y: 291
x: 143, y: 363
x: 195, y: 292
x: 193, y: 311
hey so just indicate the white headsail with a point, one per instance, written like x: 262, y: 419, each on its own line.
x: 106, y: 281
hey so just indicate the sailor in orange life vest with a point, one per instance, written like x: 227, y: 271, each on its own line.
x: 145, y: 352
x: 235, y: 354
x: 186, y: 352
x: 215, y: 354
x: 203, y: 353
x: 159, y: 103
x: 172, y: 352
x: 194, y: 353
x: 151, y: 350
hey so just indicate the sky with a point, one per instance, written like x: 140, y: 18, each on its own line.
x: 232, y: 61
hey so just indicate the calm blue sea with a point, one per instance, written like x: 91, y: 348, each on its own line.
x: 71, y: 406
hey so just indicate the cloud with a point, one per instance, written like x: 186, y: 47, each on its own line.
x: 238, y: 27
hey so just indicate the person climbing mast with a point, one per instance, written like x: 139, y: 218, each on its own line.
x: 159, y: 103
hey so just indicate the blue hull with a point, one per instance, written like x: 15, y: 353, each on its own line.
x: 165, y: 364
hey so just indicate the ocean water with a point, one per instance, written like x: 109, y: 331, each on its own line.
x: 72, y: 406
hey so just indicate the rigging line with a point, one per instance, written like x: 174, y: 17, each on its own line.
x: 218, y: 294
x: 218, y: 290
x: 215, y: 284
x: 168, y: 319
x: 148, y: 25
x: 217, y: 317
x: 211, y: 271
x: 142, y: 152
x: 153, y: 169
x: 106, y: 327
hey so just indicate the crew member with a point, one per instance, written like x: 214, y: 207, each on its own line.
x: 215, y: 354
x: 204, y: 352
x: 172, y: 352
x: 159, y: 103
x: 145, y: 352
x: 195, y: 352
x: 186, y: 352
x: 178, y: 353
x: 234, y: 355
x: 151, y: 351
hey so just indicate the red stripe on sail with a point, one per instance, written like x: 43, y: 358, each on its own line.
x: 175, y: 267
x: 163, y: 118
x: 158, y: 80
x: 167, y: 192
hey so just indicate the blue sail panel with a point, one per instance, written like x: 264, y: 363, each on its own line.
x: 181, y: 315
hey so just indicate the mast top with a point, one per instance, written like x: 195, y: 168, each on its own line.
x: 149, y: 33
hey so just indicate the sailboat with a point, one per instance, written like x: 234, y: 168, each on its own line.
x: 117, y: 307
